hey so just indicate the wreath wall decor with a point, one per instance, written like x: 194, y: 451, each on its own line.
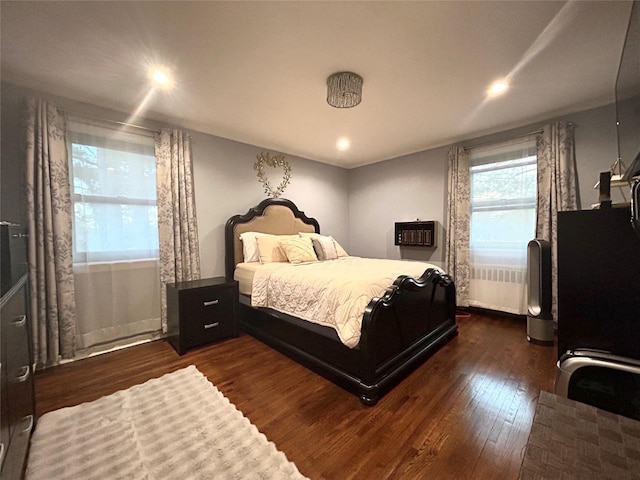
x: 272, y: 161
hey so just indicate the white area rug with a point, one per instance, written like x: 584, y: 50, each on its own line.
x: 178, y: 426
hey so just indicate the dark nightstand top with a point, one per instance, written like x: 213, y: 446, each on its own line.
x: 203, y: 282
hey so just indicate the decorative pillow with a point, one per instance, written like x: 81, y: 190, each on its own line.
x: 250, y: 245
x: 341, y: 251
x: 299, y: 250
x: 324, y: 247
x: 270, y: 250
x: 309, y: 234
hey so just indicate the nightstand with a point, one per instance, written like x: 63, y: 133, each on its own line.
x: 201, y: 312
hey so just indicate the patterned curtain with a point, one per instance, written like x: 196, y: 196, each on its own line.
x: 177, y: 227
x: 557, y: 187
x: 51, y: 288
x: 458, y: 208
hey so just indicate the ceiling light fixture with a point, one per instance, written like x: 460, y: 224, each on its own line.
x: 497, y: 88
x: 343, y: 144
x: 344, y: 90
x: 161, y: 78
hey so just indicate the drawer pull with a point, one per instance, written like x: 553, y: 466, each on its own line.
x: 22, y: 376
x: 211, y: 325
x: 29, y: 421
x: 1, y: 453
x: 19, y: 321
x: 212, y: 302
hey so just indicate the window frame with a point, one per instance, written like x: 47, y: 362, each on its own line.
x: 78, y: 137
x: 519, y: 153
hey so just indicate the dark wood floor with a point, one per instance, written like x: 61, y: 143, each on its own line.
x: 465, y: 414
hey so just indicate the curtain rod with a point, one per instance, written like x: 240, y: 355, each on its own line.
x: 537, y: 132
x: 483, y: 144
x: 116, y: 122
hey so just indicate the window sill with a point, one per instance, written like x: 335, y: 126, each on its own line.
x: 115, y: 265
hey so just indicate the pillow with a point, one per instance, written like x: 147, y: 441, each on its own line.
x: 325, y: 248
x: 310, y: 235
x: 250, y: 245
x: 269, y: 249
x: 341, y: 251
x: 299, y: 250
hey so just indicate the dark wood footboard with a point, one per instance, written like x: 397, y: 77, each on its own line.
x: 403, y: 328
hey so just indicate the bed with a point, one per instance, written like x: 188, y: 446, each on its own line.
x: 400, y: 329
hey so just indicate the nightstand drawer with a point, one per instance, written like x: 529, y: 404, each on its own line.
x: 201, y: 312
x: 208, y: 315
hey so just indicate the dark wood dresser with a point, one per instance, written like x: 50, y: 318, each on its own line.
x: 201, y: 311
x: 16, y: 387
x: 598, y: 282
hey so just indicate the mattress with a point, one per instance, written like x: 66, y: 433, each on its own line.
x: 245, y: 272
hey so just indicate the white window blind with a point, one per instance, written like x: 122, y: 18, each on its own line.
x: 503, y: 192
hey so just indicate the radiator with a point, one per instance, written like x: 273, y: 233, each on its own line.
x: 500, y: 274
x: 501, y: 288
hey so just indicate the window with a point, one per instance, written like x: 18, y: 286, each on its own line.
x: 503, y: 207
x: 503, y: 192
x: 113, y: 189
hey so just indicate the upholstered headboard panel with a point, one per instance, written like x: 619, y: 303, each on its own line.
x: 276, y: 219
x: 273, y: 215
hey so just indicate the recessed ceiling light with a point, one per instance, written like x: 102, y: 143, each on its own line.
x: 161, y: 78
x: 497, y: 88
x: 343, y: 144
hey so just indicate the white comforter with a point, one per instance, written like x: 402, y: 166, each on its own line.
x: 334, y: 293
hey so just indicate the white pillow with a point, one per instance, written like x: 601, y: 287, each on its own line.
x: 250, y: 245
x: 270, y: 250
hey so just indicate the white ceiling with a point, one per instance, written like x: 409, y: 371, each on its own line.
x: 256, y: 72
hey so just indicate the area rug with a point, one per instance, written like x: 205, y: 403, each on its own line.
x: 570, y: 440
x: 178, y: 426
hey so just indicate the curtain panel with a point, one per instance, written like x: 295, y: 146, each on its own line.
x: 557, y: 188
x: 49, y: 212
x: 177, y: 226
x: 458, y: 217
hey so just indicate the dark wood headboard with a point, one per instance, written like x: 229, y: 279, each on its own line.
x: 278, y: 216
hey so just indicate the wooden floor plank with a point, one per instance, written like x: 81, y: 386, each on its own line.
x: 465, y: 413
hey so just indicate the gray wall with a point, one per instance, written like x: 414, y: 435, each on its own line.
x: 415, y: 186
x: 403, y: 189
x: 358, y: 207
x: 225, y: 182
